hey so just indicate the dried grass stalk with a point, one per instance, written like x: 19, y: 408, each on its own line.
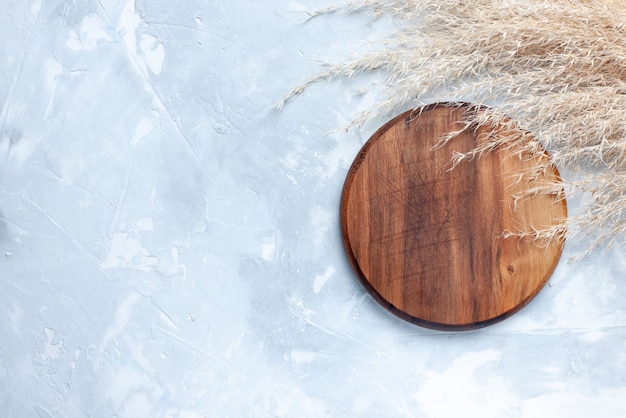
x: 557, y: 67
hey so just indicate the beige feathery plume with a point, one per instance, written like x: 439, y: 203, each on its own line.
x: 557, y: 67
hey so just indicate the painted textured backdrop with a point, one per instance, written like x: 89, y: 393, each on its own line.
x: 170, y: 246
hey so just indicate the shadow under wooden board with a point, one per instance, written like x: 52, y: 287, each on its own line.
x: 425, y: 239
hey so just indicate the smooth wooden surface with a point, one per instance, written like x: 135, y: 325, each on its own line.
x: 425, y: 240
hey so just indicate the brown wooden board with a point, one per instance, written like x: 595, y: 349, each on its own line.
x: 426, y: 240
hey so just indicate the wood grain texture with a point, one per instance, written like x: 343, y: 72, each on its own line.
x: 426, y: 240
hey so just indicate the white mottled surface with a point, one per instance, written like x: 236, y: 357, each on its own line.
x: 170, y: 246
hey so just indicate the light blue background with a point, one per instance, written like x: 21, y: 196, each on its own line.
x: 169, y: 245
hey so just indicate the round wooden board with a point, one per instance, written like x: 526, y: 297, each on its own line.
x: 426, y: 240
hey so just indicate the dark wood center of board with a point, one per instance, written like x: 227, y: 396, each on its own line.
x: 426, y: 240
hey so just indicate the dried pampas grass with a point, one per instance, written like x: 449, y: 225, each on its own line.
x: 557, y: 67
